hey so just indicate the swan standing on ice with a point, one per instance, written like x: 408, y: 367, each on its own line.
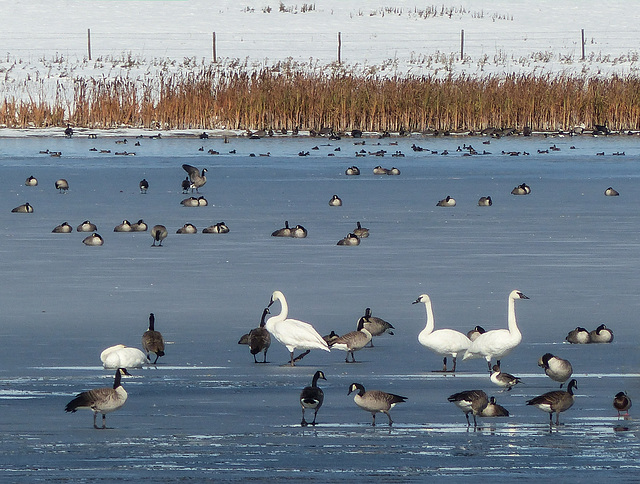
x: 121, y: 356
x: 291, y: 332
x: 442, y: 341
x: 498, y: 342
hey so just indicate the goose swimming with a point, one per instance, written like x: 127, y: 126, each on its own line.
x: 555, y: 402
x: 376, y: 326
x: 291, y: 332
x: 101, y: 400
x: 152, y: 340
x: 601, y: 334
x: 556, y: 368
x: 504, y: 380
x: 470, y: 402
x: 312, y: 397
x: 196, y: 177
x: 121, y: 356
x: 158, y: 233
x: 579, y: 335
x: 375, y: 401
x: 446, y: 342
x: 498, y: 342
x: 352, y: 341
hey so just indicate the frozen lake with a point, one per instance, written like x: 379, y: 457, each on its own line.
x: 207, y: 412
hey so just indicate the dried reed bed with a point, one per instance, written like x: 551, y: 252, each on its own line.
x: 288, y: 98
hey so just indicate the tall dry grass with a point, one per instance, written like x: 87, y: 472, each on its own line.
x: 286, y: 98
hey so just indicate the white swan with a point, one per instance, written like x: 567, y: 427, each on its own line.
x: 291, y: 332
x: 498, y: 342
x: 121, y: 356
x: 442, y: 341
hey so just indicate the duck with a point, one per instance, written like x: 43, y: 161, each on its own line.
x: 375, y: 401
x: 63, y: 228
x: 125, y: 226
x: 352, y: 171
x: 447, y: 202
x: 298, y: 232
x: 579, y: 335
x: 350, y: 239
x: 352, y: 341
x: 62, y: 185
x: 291, y: 332
x: 376, y: 326
x: 283, y: 232
x: 522, y: 189
x: 86, y: 226
x: 601, y: 334
x: 32, y: 181
x: 556, y: 368
x: 187, y: 229
x: 335, y: 201
x: 470, y: 402
x: 152, y: 340
x: 158, y: 233
x: 219, y: 228
x: 24, y: 208
x: 93, y: 240
x: 121, y: 356
x: 101, y: 400
x: 498, y: 343
x: 190, y: 202
x: 312, y: 397
x: 611, y: 192
x: 622, y: 403
x: 505, y: 380
x: 445, y: 342
x: 494, y: 410
x: 259, y: 339
x: 555, y: 402
x: 139, y: 226
x: 360, y: 231
x: 475, y: 332
x: 144, y: 185
x: 485, y: 202
x: 198, y: 178
x: 186, y: 185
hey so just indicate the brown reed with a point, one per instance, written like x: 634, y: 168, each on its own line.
x: 286, y: 98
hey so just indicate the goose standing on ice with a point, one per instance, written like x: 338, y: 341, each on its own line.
x: 622, y: 403
x: 375, y: 401
x: 62, y: 185
x: 101, y: 400
x: 505, y: 380
x: 312, y: 397
x: 601, y: 334
x: 352, y: 341
x: 555, y: 402
x: 375, y: 326
x: 152, y: 340
x: 446, y: 342
x: 196, y: 177
x: 291, y: 332
x: 579, y: 336
x: 144, y: 185
x: 475, y: 332
x: 556, y: 368
x: 470, y: 401
x: 259, y: 339
x: 158, y: 233
x: 498, y: 342
x: 121, y: 356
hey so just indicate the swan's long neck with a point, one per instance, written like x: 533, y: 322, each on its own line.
x: 284, y: 309
x: 430, y: 320
x: 513, y: 325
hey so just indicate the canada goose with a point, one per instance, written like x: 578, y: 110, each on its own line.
x: 101, y: 400
x: 298, y: 232
x: 144, y: 185
x: 579, y: 335
x: 291, y: 332
x: 470, y: 401
x: 485, y: 202
x: 556, y: 401
x: 93, y: 239
x: 197, y: 178
x: 393, y: 171
x: 350, y: 239
x: 556, y: 368
x: 283, y: 232
x: 125, y: 226
x: 158, y: 233
x: 186, y: 185
x: 32, y: 181
x: 86, y: 226
x: 378, y: 170
x: 259, y: 339
x: 187, y: 229
x: 375, y: 401
x: 376, y: 326
x: 504, y: 380
x: 62, y: 185
x: 24, y: 208
x: 352, y: 341
x: 139, y: 226
x: 190, y: 202
x: 68, y: 132
x: 152, y: 341
x: 447, y: 202
x: 335, y: 201
x: 498, y: 342
x: 219, y: 228
x: 63, y: 228
x: 202, y: 202
x: 494, y: 410
x: 442, y: 341
x: 475, y: 332
x: 622, y: 403
x: 331, y: 337
x: 601, y: 334
x: 121, y: 356
x: 611, y: 192
x: 360, y: 231
x: 352, y: 170
x: 312, y: 397
x: 523, y: 189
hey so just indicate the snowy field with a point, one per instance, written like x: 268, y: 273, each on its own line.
x: 207, y: 412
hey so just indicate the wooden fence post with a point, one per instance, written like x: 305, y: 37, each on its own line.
x: 582, y: 44
x: 89, y: 42
x: 462, y: 44
x: 215, y: 55
x: 339, y: 47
